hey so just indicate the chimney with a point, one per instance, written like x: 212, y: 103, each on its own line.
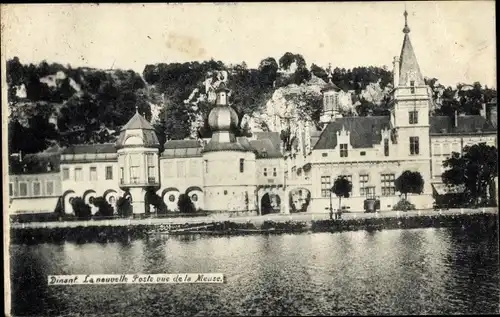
x: 395, y: 71
x: 455, y: 119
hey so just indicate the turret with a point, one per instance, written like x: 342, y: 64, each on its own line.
x: 138, y: 160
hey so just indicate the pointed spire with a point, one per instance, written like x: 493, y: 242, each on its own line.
x: 406, y: 29
x: 408, y: 65
x: 136, y: 108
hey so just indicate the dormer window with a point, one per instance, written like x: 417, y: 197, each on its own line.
x: 49, y: 167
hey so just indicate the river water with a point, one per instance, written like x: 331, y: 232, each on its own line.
x: 418, y: 271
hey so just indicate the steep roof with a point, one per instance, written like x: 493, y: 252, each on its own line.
x: 36, y: 163
x: 137, y: 122
x: 274, y: 137
x: 90, y: 148
x: 444, y: 125
x: 364, y: 131
x: 265, y: 148
x: 181, y: 144
x: 407, y: 59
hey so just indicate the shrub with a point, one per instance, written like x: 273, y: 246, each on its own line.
x: 185, y: 204
x: 124, y: 207
x: 81, y: 209
x: 404, y: 205
x: 152, y: 198
x: 105, y: 209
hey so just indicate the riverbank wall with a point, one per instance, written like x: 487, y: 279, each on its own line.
x: 106, y: 233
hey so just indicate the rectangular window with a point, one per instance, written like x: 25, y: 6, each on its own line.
x: 274, y: 172
x: 324, y: 154
x: 122, y: 174
x: 134, y: 174
x: 456, y: 147
x: 36, y: 189
x: 265, y: 171
x: 446, y: 149
x: 151, y: 159
x: 93, y: 173
x: 65, y: 173
x: 414, y: 146
x: 167, y: 169
x: 325, y: 186
x: 193, y: 168
x: 437, y: 168
x: 412, y: 85
x: 11, y: 189
x: 78, y: 174
x: 386, y: 147
x: 388, y: 188
x: 206, y: 166
x: 180, y: 169
x: 109, y: 172
x: 363, y: 182
x: 242, y: 165
x: 436, y: 149
x: 151, y: 174
x: 413, y: 117
x: 23, y: 189
x: 49, y: 188
x: 343, y: 150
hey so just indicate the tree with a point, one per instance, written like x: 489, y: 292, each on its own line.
x: 475, y: 170
x: 81, y: 209
x: 341, y: 188
x: 124, y: 207
x: 185, y: 204
x: 105, y: 209
x: 268, y: 69
x: 409, y: 182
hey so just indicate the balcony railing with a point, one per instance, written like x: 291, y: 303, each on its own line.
x: 137, y: 180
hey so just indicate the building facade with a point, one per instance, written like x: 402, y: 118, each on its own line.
x: 255, y: 175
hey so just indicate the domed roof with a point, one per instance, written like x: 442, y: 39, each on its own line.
x: 222, y: 118
x: 330, y: 86
x: 137, y: 132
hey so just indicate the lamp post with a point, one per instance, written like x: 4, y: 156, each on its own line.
x: 331, y: 207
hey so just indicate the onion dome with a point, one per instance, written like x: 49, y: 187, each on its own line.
x: 137, y: 132
x: 223, y: 121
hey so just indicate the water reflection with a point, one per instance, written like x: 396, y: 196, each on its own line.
x: 421, y: 271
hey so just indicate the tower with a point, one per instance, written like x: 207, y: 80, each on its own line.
x: 228, y: 162
x: 137, y: 148
x: 330, y: 99
x: 410, y: 113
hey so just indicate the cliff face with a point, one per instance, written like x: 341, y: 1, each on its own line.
x: 57, y: 104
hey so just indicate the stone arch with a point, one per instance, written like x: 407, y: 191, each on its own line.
x: 192, y: 188
x: 170, y: 196
x: 299, y: 199
x: 195, y: 193
x: 66, y: 197
x: 88, y: 194
x: 275, y: 195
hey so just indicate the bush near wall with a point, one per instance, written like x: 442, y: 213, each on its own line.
x: 124, y: 207
x: 404, y: 205
x: 185, y: 204
x: 105, y: 209
x: 81, y: 209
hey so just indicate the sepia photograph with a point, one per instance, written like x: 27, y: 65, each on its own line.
x: 250, y: 159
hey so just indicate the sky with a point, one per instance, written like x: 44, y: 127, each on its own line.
x: 454, y: 41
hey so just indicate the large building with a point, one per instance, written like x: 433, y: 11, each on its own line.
x: 237, y: 174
